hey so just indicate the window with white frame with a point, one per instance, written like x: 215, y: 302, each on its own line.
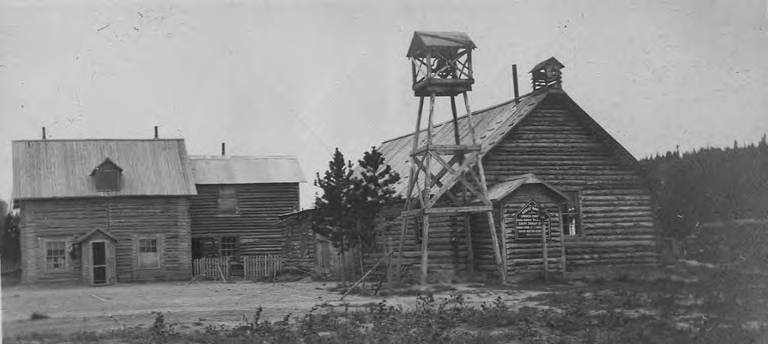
x: 55, y: 256
x: 149, y: 255
x: 572, y: 214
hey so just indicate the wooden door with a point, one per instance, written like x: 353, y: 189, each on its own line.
x: 99, y: 262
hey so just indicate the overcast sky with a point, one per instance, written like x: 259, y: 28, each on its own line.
x: 303, y: 77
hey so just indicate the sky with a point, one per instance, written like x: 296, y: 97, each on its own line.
x: 303, y: 77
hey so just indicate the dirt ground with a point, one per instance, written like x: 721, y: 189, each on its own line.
x: 75, y: 308
x: 78, y: 308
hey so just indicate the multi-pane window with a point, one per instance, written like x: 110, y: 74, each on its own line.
x: 227, y: 200
x: 228, y: 247
x: 572, y: 214
x: 149, y: 256
x: 55, y: 255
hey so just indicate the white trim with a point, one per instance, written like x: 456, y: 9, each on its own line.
x: 92, y: 266
x: 159, y: 251
x: 44, y: 256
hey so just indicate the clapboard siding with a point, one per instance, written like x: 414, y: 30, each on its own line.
x: 561, y: 147
x: 127, y: 218
x: 256, y: 225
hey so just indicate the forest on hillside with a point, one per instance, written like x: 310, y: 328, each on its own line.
x: 709, y: 184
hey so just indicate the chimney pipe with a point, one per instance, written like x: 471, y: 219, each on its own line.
x: 156, y: 135
x: 223, y: 150
x: 43, y: 133
x: 514, y: 82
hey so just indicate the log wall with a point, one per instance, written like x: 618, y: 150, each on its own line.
x: 299, y: 241
x: 256, y: 225
x: 562, y: 147
x: 522, y: 255
x: 127, y: 218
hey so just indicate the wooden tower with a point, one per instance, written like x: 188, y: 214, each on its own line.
x: 444, y: 179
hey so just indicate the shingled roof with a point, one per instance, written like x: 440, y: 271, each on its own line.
x: 62, y: 168
x: 491, y: 126
x: 238, y: 169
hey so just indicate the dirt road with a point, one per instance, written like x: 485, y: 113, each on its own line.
x: 76, y: 308
x: 192, y: 306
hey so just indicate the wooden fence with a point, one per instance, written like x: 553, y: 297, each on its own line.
x: 254, y: 267
x: 257, y: 267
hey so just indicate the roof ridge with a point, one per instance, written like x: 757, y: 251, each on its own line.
x: 101, y: 139
x: 227, y: 157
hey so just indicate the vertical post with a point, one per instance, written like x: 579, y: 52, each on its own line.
x: 562, y: 238
x: 44, y: 133
x: 470, y: 250
x: 455, y: 121
x: 427, y: 191
x: 223, y: 149
x: 484, y: 188
x: 411, y: 183
x: 156, y: 133
x: 469, y: 63
x: 544, y: 249
x: 456, y: 136
x: 469, y: 119
x: 424, y: 250
x: 503, y: 231
x: 514, y: 82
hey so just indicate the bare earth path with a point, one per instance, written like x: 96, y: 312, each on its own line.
x: 75, y: 308
x: 192, y: 306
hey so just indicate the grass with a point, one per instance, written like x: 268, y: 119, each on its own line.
x: 722, y: 306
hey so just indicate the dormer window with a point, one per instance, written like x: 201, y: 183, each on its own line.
x: 106, y: 176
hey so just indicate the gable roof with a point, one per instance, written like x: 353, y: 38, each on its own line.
x: 106, y: 161
x: 491, y: 126
x: 93, y: 232
x: 246, y: 169
x: 541, y: 64
x: 438, y: 39
x: 503, y: 189
x: 61, y: 168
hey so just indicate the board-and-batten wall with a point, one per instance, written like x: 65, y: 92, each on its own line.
x: 559, y: 146
x: 127, y: 218
x: 256, y: 225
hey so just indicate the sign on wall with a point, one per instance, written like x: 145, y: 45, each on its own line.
x: 530, y: 221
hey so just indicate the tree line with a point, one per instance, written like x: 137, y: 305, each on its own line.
x: 709, y: 184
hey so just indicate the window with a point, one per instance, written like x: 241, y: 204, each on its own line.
x: 55, y: 255
x: 228, y: 247
x: 572, y: 214
x: 107, y: 176
x: 149, y: 256
x: 228, y: 200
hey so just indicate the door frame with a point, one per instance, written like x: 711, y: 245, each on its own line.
x: 92, y: 266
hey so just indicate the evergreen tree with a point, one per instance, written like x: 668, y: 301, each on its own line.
x: 332, y: 218
x: 372, y: 189
x: 347, y: 210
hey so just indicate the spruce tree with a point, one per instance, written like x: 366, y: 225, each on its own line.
x: 332, y: 218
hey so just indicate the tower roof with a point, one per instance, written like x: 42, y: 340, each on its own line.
x: 423, y: 41
x: 550, y: 60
